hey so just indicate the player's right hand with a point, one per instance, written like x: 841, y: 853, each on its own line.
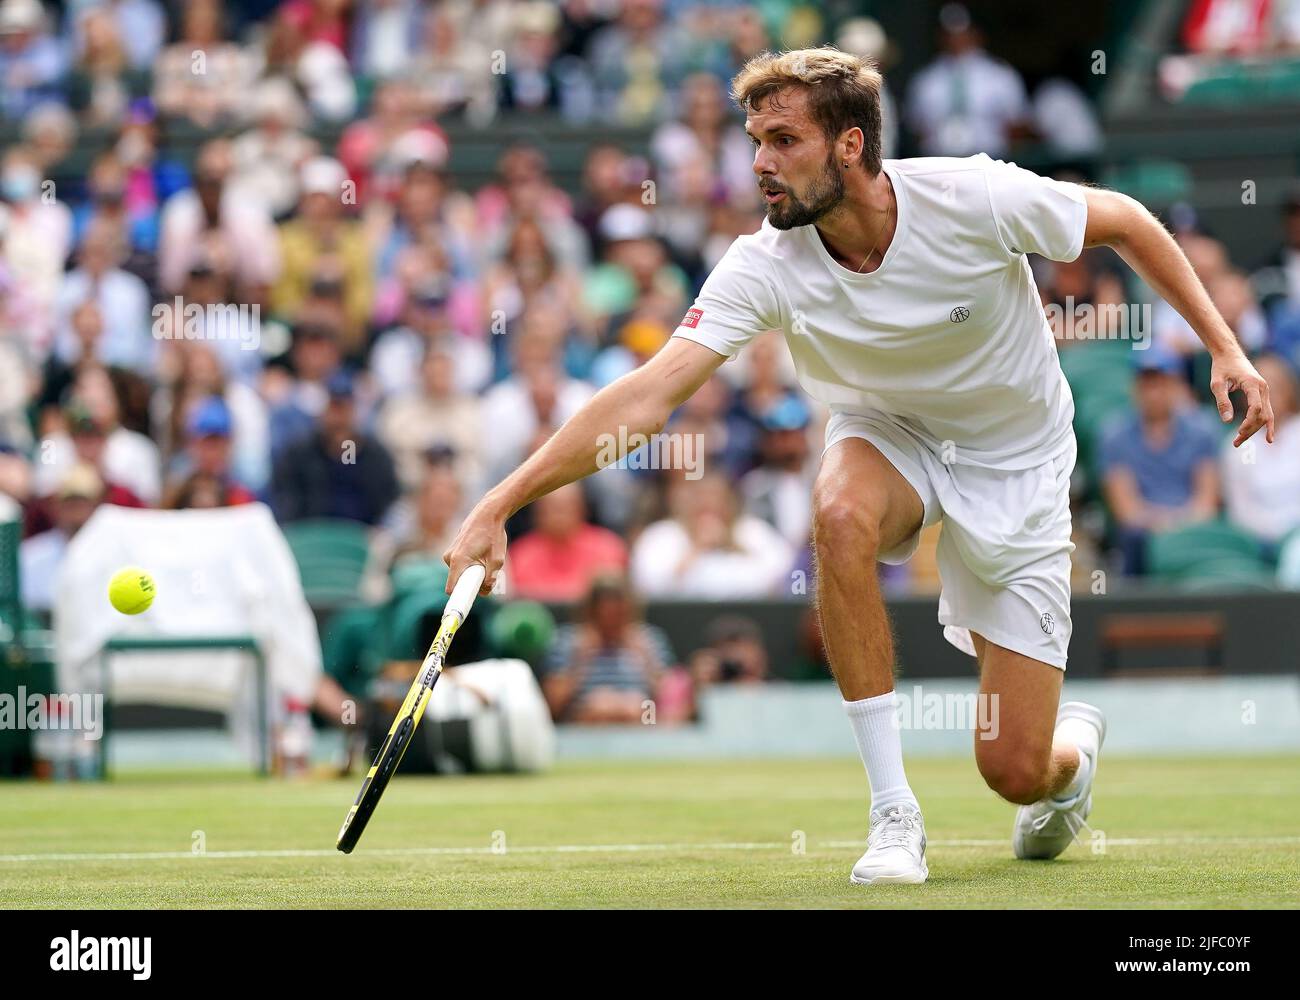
x: 481, y: 539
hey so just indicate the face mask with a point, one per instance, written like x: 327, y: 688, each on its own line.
x: 19, y: 184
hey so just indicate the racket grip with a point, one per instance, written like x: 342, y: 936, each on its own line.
x: 466, y: 589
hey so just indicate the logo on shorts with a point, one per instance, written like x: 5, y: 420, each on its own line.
x: 959, y: 315
x: 1046, y: 622
x: 692, y: 318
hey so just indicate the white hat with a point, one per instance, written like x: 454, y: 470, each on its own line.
x: 626, y: 222
x: 20, y: 15
x: 322, y: 175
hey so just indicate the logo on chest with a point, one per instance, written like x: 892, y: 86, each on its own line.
x: 959, y: 315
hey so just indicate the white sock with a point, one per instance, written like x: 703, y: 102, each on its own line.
x: 1084, y: 738
x: 1080, y: 778
x: 880, y: 742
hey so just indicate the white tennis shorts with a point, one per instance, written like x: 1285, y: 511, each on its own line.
x: 1004, y: 551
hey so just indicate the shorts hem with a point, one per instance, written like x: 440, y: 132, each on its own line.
x: 1004, y: 639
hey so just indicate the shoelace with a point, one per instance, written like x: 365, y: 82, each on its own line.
x: 893, y: 830
x: 1072, y: 820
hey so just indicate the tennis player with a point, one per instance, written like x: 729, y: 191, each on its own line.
x: 905, y: 294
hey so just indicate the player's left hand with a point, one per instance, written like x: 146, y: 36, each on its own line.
x: 1230, y: 374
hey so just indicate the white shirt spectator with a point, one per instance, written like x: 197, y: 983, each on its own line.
x: 1261, y: 483
x: 757, y: 567
x: 130, y: 460
x: 123, y: 301
x: 245, y: 230
x: 964, y: 104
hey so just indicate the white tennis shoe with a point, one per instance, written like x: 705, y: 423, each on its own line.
x: 895, y: 847
x: 1046, y: 828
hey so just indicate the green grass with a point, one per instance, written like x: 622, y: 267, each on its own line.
x: 1180, y: 833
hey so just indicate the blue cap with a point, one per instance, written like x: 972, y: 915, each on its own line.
x: 211, y: 418
x: 1159, y: 359
x: 339, y: 385
x: 789, y: 414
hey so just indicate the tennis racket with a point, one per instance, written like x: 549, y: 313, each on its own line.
x: 412, y: 710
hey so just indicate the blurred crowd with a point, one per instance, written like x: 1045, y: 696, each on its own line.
x: 338, y: 327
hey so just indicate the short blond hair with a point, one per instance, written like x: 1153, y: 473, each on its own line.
x: 843, y: 89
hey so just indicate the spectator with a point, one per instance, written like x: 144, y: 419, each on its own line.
x: 435, y: 413
x: 89, y: 450
x: 535, y: 400
x: 212, y: 224
x: 306, y: 45
x: 1261, y: 481
x: 424, y: 534
x: 708, y: 135
x: 31, y: 60
x: 965, y: 101
x: 635, y: 264
x: 269, y: 157
x: 635, y: 62
x: 709, y: 550
x: 191, y: 374
x: 453, y: 68
x: 427, y: 210
x: 370, y: 145
x: 50, y: 135
x: 564, y: 553
x: 122, y: 298
x: 297, y: 398
x: 41, y: 556
x: 606, y: 668
x: 384, y: 37
x: 141, y: 26
x: 337, y: 471
x: 133, y: 228
x: 202, y: 77
x: 322, y: 241
x: 1159, y: 463
x: 99, y: 84
x: 529, y: 276
x: 531, y: 81
x: 209, y: 481
x: 734, y: 654
x: 37, y: 241
x: 395, y: 358
x: 779, y: 491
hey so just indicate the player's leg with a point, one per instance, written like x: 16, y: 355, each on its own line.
x: 1017, y: 756
x: 863, y: 507
x: 1041, y: 755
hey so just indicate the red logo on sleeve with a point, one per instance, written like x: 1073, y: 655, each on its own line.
x: 692, y: 318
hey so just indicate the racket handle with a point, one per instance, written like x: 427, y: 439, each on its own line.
x: 466, y: 589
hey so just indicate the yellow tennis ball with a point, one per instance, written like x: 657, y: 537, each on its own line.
x: 131, y: 590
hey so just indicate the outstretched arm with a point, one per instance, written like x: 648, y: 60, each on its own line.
x: 638, y: 403
x: 1117, y: 221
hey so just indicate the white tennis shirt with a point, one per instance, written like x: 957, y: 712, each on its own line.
x: 947, y: 336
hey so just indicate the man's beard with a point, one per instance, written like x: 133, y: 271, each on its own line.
x: 824, y: 195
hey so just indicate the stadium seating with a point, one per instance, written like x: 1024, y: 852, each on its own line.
x: 331, y: 557
x: 1211, y: 550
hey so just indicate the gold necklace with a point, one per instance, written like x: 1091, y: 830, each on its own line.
x: 883, y: 226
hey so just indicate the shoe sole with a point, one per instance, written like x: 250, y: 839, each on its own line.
x: 1068, y: 710
x: 905, y: 878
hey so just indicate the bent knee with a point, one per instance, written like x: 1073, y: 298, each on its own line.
x: 1018, y: 775
x: 844, y: 521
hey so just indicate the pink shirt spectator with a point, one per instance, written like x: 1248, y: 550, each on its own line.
x: 543, y: 568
